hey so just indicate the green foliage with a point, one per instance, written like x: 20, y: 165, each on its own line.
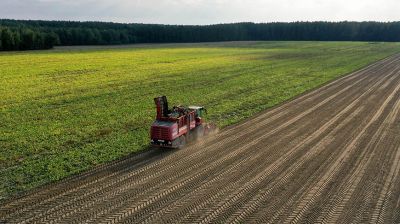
x: 49, y: 40
x: 62, y: 112
x: 8, y: 40
x: 1, y: 42
x: 51, y: 33
x: 28, y: 39
x: 12, y: 39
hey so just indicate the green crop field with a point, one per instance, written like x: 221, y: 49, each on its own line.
x: 64, y: 111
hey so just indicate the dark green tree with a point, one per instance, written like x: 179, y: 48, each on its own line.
x: 1, y: 43
x: 27, y: 39
x: 50, y: 40
x: 7, y: 39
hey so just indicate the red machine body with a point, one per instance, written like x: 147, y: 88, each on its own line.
x: 173, y: 128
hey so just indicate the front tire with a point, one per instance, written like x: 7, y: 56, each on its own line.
x: 199, y: 132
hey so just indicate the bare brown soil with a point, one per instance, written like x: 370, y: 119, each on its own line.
x: 329, y: 156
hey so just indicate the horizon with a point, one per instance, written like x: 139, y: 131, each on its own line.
x: 212, y: 24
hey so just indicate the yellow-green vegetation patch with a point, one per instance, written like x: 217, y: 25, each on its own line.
x: 64, y: 111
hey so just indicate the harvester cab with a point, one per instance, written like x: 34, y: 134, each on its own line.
x: 173, y: 128
x: 200, y: 111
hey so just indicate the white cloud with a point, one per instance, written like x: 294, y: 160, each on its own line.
x: 202, y: 11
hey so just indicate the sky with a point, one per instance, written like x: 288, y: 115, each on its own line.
x: 200, y: 12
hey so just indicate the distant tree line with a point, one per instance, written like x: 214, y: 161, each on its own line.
x: 18, y: 38
x: 27, y: 34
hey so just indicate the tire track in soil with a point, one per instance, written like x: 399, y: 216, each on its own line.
x: 364, y: 202
x: 380, y: 211
x: 354, y: 183
x: 253, y: 203
x: 242, y: 213
x: 356, y: 175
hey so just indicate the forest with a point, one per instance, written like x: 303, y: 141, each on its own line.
x: 34, y: 34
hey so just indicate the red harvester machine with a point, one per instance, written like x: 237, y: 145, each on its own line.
x: 173, y: 128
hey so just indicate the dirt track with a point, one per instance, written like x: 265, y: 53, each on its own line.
x: 332, y: 155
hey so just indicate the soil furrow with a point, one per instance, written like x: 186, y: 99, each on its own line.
x: 285, y: 156
x: 316, y: 191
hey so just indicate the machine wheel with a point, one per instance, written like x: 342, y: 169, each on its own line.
x: 182, y: 141
x: 199, y: 132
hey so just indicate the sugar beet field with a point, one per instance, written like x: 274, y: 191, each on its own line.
x: 329, y: 155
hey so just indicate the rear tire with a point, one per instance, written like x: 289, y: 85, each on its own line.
x: 182, y: 141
